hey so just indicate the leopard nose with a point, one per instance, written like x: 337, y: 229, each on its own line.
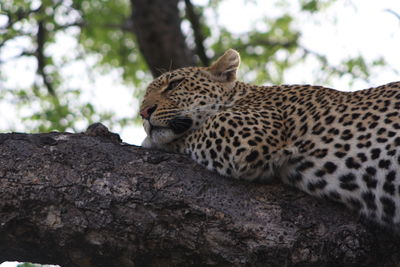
x: 146, y: 112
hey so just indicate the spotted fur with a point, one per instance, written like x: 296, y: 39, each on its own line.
x: 344, y: 146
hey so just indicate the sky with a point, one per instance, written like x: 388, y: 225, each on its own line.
x: 346, y: 29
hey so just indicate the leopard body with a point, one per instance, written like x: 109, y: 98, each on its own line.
x: 344, y: 146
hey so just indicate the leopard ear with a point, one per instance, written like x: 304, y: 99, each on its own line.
x: 225, y: 68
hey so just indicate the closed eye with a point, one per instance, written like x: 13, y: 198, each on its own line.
x: 173, y: 84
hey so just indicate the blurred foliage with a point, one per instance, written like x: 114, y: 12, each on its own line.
x: 107, y: 32
x: 256, y: 45
x: 102, y: 29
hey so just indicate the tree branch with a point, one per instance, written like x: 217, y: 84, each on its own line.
x: 397, y: 15
x: 194, y: 20
x: 87, y: 200
x: 41, y: 59
x: 79, y: 24
x: 157, y: 26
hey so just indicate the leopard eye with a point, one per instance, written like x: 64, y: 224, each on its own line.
x: 173, y: 84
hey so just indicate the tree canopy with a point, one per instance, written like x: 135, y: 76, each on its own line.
x: 139, y: 39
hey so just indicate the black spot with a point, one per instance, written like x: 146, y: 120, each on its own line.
x: 391, y: 176
x: 305, y: 165
x: 391, y: 152
x: 232, y: 123
x: 329, y: 119
x: 362, y: 157
x: 381, y: 140
x: 375, y: 153
x: 397, y: 141
x: 320, y: 173
x: 330, y: 167
x: 370, y: 170
x: 389, y: 188
x: 239, y: 151
x: 252, y: 143
x: 318, y: 130
x: 375, y: 117
x: 348, y: 186
x: 245, y: 135
x: 213, y: 154
x: 370, y: 181
x: 384, y: 164
x: 208, y: 144
x: 317, y: 185
x: 381, y: 130
x: 303, y: 129
x: 373, y: 125
x: 393, y: 114
x: 333, y: 131
x: 389, y: 206
x: 236, y: 142
x: 326, y: 140
x: 347, y: 178
x: 369, y: 199
x: 252, y: 156
x: 352, y: 164
x: 217, y: 165
x: 366, y: 115
x: 319, y: 153
x: 222, y: 131
x: 346, y: 135
x: 320, y: 184
x: 340, y: 154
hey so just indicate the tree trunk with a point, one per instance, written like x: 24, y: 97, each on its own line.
x: 87, y: 200
x: 157, y: 26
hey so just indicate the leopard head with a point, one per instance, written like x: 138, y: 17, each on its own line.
x: 181, y: 100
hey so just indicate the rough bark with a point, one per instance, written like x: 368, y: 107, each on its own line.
x: 157, y: 26
x: 87, y: 200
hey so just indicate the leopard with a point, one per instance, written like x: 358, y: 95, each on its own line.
x: 334, y: 144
